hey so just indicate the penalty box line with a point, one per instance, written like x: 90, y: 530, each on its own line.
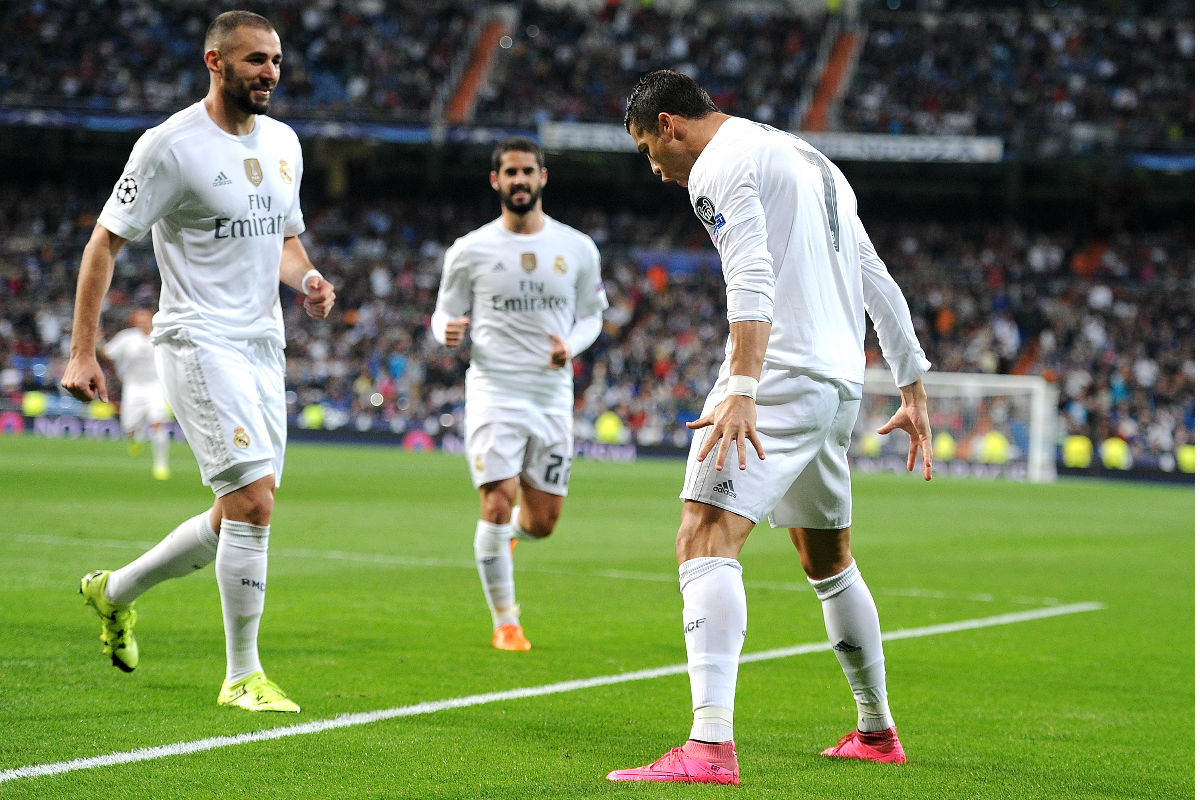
x: 434, y: 706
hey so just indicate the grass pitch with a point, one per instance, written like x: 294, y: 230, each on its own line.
x: 376, y: 625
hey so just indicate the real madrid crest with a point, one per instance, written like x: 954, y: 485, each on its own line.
x: 285, y: 172
x: 253, y: 170
x: 529, y: 261
x: 706, y: 211
x: 560, y: 265
x: 241, y: 439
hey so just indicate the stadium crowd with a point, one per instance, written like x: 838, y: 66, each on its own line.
x: 1095, y: 79
x: 1086, y: 78
x: 1109, y: 319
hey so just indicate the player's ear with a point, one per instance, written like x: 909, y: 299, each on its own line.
x: 666, y: 125
x: 212, y: 60
x: 494, y: 179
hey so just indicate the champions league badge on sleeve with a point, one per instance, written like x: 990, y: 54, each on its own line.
x: 706, y: 211
x: 127, y: 190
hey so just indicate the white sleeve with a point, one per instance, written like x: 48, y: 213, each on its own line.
x: 437, y: 325
x: 149, y: 188
x: 583, y: 333
x: 749, y: 271
x: 590, y: 297
x: 889, y: 314
x: 454, y: 295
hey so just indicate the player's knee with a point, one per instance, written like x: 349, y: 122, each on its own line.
x: 497, y: 509
x: 253, y: 503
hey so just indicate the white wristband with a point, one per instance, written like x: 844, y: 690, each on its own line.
x: 304, y: 281
x: 743, y: 385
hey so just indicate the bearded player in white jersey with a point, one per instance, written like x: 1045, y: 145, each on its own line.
x: 143, y: 404
x: 799, y: 270
x: 218, y: 185
x: 532, y: 286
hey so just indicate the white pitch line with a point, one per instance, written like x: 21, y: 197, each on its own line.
x: 396, y: 560
x: 434, y: 706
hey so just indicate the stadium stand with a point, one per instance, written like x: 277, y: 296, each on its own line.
x: 1104, y: 309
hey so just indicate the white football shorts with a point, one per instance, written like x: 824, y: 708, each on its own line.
x: 506, y: 443
x: 228, y: 397
x: 142, y: 405
x: 804, y: 425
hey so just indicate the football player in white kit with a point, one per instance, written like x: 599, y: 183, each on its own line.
x: 533, y: 288
x: 143, y: 404
x: 799, y: 270
x: 218, y: 184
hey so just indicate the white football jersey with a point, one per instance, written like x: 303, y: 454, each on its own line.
x: 132, y: 353
x: 794, y: 253
x: 219, y: 207
x: 519, y: 289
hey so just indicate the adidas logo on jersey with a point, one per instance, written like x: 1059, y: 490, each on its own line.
x: 725, y: 488
x: 499, y: 267
x: 221, y: 180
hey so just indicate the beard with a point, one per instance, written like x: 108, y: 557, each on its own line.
x: 521, y: 208
x: 238, y: 94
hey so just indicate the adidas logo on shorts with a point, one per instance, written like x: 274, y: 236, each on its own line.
x: 726, y: 489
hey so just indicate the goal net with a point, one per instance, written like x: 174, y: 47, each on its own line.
x: 983, y: 425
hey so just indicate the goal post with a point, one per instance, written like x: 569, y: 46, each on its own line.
x: 984, y: 425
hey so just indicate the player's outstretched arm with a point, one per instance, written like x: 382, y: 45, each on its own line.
x: 83, y: 377
x: 913, y: 418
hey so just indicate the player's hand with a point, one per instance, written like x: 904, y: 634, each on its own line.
x: 456, y: 331
x: 732, y: 422
x: 84, y: 379
x: 319, y: 297
x: 560, y: 354
x: 913, y: 418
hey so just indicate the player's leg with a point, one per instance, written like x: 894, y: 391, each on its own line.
x: 493, y: 555
x: 253, y: 411
x: 852, y: 623
x: 545, y: 474
x: 496, y: 446
x: 714, y: 628
x: 537, y: 515
x: 817, y: 511
x: 189, y: 547
x: 160, y: 441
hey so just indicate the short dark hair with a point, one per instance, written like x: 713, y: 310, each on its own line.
x: 222, y: 28
x: 520, y: 143
x: 669, y: 91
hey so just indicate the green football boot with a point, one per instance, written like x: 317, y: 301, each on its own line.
x: 256, y: 692
x: 116, y: 621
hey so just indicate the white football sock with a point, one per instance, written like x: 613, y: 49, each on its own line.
x: 852, y: 622
x: 493, y: 557
x: 714, y: 629
x: 192, y: 545
x: 160, y: 445
x: 242, y: 578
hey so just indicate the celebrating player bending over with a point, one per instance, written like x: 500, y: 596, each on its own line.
x: 799, y: 270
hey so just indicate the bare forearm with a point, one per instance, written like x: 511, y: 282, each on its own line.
x: 294, y: 263
x: 749, y: 340
x: 913, y: 393
x: 95, y: 276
